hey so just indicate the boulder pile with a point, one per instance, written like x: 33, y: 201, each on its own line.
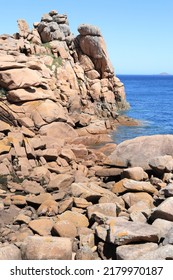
x: 60, y: 196
x: 67, y: 202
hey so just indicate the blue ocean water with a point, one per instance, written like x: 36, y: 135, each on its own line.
x: 151, y: 100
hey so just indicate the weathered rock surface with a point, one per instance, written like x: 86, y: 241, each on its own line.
x: 131, y: 185
x: 134, y: 173
x: 47, y: 248
x: 61, y: 181
x: 48, y: 208
x: 108, y: 172
x: 139, y: 151
x: 19, y: 78
x: 92, y: 44
x: 164, y: 226
x: 41, y: 226
x: 65, y: 228
x: 107, y: 209
x: 38, y: 199
x: 162, y: 253
x: 10, y: 252
x: 169, y: 237
x: 131, y: 198
x: 134, y: 251
x: 164, y: 210
x: 78, y: 219
x: 128, y: 232
x: 58, y: 130
x: 162, y: 164
x: 85, y: 253
x: 28, y: 94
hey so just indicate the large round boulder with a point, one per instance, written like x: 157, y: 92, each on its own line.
x: 140, y: 150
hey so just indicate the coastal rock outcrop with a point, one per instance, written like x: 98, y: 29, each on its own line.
x: 92, y: 44
x: 49, y: 63
x: 62, y: 196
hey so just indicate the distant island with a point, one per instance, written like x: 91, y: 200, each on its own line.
x: 165, y: 74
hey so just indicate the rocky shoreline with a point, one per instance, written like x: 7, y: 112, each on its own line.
x: 67, y: 192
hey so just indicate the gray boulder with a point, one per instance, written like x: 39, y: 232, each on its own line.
x: 164, y: 226
x: 60, y: 18
x: 46, y: 35
x: 46, y: 18
x: 41, y: 26
x: 65, y: 29
x: 87, y: 29
x: 164, y: 210
x: 134, y: 251
x: 162, y: 253
x: 53, y: 26
x: 168, y: 191
x: 169, y: 237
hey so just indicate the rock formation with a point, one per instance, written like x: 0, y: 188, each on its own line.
x: 141, y: 150
x: 59, y: 98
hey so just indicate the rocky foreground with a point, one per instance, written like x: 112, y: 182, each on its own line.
x: 61, y: 195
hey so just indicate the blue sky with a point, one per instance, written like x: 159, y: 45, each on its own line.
x: 138, y: 33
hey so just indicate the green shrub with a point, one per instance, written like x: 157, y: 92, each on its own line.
x: 47, y: 45
x: 57, y: 62
x: 3, y: 93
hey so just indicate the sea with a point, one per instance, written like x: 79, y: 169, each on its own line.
x: 151, y: 102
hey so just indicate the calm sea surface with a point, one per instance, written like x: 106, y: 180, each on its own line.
x: 151, y: 100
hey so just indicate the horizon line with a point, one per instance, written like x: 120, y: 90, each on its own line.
x: 118, y: 74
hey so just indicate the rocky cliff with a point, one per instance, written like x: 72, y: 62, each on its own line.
x: 60, y: 198
x: 48, y: 75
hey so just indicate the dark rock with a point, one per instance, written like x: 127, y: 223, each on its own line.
x: 107, y: 251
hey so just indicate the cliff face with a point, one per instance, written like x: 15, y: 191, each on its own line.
x: 72, y: 77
